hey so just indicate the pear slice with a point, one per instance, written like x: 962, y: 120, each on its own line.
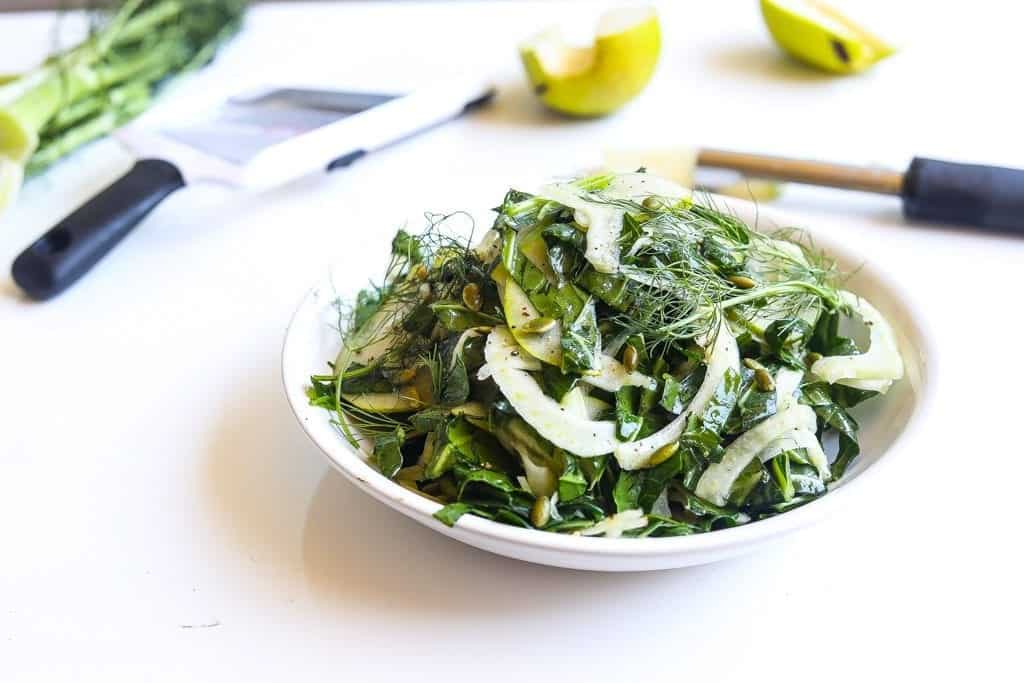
x: 519, y: 311
x: 595, y: 80
x: 819, y: 35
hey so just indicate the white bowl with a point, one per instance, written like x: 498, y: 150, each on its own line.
x: 887, y: 426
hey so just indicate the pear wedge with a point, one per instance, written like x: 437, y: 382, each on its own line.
x: 595, y: 80
x: 819, y: 35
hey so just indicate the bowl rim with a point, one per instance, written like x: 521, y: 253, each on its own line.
x: 345, y: 459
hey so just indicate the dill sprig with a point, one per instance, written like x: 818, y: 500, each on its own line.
x: 681, y: 264
x: 434, y: 264
x: 429, y: 266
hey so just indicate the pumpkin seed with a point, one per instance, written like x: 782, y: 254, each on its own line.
x: 630, y: 357
x: 742, y: 281
x: 471, y: 296
x: 540, y: 513
x: 764, y: 380
x: 664, y: 453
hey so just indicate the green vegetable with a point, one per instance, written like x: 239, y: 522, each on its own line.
x: 832, y: 415
x: 677, y: 394
x: 641, y: 488
x: 557, y: 383
x: 752, y: 405
x: 387, y: 452
x: 786, y: 340
x: 571, y: 483
x: 87, y: 91
x: 581, y: 342
x: 627, y: 421
x: 704, y: 331
x: 723, y: 402
x: 457, y: 318
x: 456, y: 387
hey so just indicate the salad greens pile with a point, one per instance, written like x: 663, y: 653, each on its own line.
x: 615, y: 357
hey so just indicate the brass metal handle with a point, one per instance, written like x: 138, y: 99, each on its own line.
x: 883, y: 181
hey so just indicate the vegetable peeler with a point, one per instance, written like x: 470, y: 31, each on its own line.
x: 257, y: 140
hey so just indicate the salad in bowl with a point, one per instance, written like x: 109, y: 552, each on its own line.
x: 614, y: 357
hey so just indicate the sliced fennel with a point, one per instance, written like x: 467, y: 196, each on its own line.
x: 798, y: 438
x: 614, y: 526
x: 879, y: 385
x: 882, y: 360
x: 470, y: 409
x: 541, y: 479
x: 579, y: 403
x: 489, y: 246
x: 614, y: 375
x: 457, y: 352
x: 575, y: 403
x: 787, y: 381
x: 603, y: 220
x: 579, y: 436
x: 718, y: 478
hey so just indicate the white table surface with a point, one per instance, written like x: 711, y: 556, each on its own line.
x: 162, y: 517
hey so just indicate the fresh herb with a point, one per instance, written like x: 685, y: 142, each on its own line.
x: 387, y: 452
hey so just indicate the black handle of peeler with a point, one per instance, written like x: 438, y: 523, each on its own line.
x: 56, y: 260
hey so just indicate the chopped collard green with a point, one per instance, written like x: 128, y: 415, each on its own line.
x: 615, y: 357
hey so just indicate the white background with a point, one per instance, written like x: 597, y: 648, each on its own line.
x: 163, y: 518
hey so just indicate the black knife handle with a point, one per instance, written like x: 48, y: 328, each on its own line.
x: 56, y: 260
x: 947, y: 192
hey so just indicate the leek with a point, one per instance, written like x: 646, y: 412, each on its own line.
x: 85, y: 92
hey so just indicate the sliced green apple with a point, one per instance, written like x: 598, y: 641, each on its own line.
x: 470, y: 409
x: 595, y: 80
x: 821, y: 36
x: 520, y: 313
x: 535, y: 249
x: 384, y: 402
x: 377, y: 335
